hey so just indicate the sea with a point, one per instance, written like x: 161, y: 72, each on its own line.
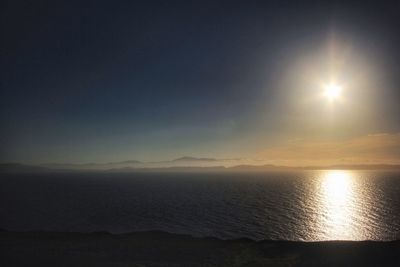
x: 277, y: 205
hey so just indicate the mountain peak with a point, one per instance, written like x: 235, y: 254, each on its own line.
x: 186, y: 158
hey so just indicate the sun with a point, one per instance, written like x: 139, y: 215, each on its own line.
x: 332, y: 91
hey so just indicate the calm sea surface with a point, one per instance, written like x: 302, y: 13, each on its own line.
x: 304, y: 205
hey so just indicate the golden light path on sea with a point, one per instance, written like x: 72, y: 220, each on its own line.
x: 338, y: 205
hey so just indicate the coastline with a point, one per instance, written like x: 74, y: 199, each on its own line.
x: 156, y: 248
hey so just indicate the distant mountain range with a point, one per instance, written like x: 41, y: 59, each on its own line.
x: 21, y: 168
x: 179, y: 162
x: 191, y: 159
x: 183, y: 164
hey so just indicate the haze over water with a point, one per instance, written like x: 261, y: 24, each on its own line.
x: 303, y: 205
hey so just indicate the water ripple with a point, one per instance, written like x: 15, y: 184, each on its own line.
x: 305, y: 205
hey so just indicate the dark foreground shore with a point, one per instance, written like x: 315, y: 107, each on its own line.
x: 164, y: 249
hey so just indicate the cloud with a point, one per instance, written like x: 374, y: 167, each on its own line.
x: 382, y: 148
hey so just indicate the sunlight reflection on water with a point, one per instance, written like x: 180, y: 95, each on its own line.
x: 304, y: 205
x: 338, y: 205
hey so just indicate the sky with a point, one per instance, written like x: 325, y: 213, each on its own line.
x: 105, y: 81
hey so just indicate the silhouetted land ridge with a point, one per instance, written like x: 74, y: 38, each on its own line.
x: 22, y: 168
x: 156, y: 248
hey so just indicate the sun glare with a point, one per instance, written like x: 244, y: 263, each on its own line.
x: 332, y: 91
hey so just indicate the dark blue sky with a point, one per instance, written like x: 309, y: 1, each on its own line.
x: 112, y: 80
